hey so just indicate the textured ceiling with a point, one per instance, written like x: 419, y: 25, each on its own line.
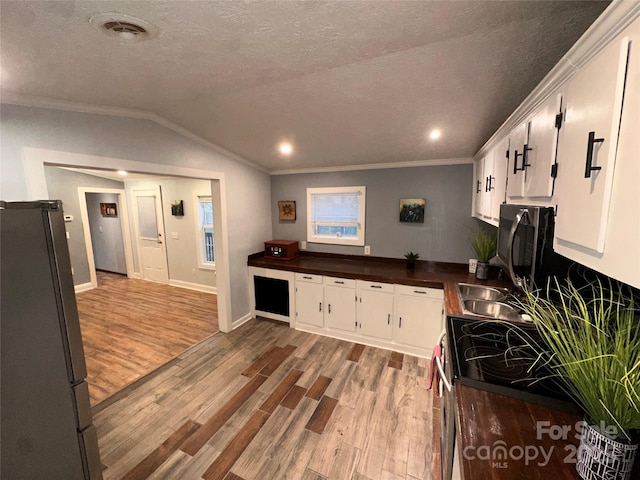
x: 347, y: 82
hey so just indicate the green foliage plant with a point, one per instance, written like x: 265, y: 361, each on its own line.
x: 484, y: 244
x: 593, y: 341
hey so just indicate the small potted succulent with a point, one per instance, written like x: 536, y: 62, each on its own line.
x: 411, y: 259
x: 485, y: 246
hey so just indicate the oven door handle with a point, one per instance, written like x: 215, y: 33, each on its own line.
x: 439, y: 366
x: 512, y: 237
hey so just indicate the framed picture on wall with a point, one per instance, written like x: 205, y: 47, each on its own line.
x: 412, y: 210
x: 109, y: 209
x: 287, y: 210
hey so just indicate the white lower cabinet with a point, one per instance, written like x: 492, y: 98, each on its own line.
x: 374, y: 309
x: 340, y: 304
x: 399, y: 317
x: 419, y: 316
x: 309, y: 299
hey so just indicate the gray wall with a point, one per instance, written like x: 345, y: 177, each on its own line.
x: 247, y: 189
x: 442, y: 236
x: 106, y: 233
x: 182, y: 253
x: 63, y: 185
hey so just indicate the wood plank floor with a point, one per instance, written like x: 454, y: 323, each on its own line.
x: 131, y: 327
x: 269, y: 402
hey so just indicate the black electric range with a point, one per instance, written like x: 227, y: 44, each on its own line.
x: 498, y: 356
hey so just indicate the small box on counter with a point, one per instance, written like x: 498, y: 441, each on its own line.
x: 281, y: 249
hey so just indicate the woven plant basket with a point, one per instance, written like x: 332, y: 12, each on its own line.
x: 601, y: 458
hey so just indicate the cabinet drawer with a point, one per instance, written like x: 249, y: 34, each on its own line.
x: 339, y: 282
x: 374, y: 286
x: 308, y: 277
x: 420, y: 291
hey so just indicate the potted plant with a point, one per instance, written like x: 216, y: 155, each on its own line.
x: 484, y: 244
x: 411, y: 259
x: 593, y: 344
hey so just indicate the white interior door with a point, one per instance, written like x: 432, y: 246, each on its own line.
x: 150, y: 233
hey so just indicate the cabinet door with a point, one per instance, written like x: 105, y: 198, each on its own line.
x: 498, y: 184
x: 309, y: 303
x: 515, y: 178
x: 540, y: 151
x: 419, y: 321
x: 478, y: 187
x: 374, y: 311
x: 587, y: 147
x: 487, y: 186
x: 340, y: 308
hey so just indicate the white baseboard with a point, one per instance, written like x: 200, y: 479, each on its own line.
x: 242, y: 320
x: 83, y: 287
x: 136, y: 275
x: 193, y: 286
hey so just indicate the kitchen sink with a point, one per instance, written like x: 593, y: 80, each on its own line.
x: 497, y: 310
x: 488, y: 302
x: 482, y: 292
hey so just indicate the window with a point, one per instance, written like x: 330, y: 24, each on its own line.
x: 336, y: 215
x: 206, y: 251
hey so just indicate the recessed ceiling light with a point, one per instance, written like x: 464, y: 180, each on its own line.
x: 435, y: 134
x: 122, y: 172
x: 124, y: 27
x: 285, y: 148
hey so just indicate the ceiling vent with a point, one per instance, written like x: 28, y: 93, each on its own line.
x: 124, y: 27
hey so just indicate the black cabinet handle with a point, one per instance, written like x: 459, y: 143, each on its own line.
x: 329, y: 308
x: 339, y: 282
x: 588, y: 168
x: 486, y: 184
x: 420, y: 291
x: 400, y: 323
x: 376, y: 286
x: 388, y: 319
x: 307, y: 278
x: 478, y: 183
x: 491, y: 187
x: 525, y: 157
x: 320, y: 307
x: 515, y: 161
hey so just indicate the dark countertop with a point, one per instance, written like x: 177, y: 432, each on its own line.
x: 490, y: 420
x: 426, y: 274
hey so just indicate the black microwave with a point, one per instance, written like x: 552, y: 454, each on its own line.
x: 525, y: 243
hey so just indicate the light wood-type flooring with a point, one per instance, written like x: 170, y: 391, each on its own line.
x: 131, y: 327
x: 269, y: 402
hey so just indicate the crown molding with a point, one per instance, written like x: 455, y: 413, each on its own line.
x: 376, y: 166
x: 41, y: 102
x: 617, y: 16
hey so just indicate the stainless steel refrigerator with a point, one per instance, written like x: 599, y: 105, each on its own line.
x: 47, y: 430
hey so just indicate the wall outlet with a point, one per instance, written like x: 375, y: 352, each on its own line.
x: 175, y: 235
x: 367, y: 250
x: 68, y: 236
x: 303, y: 245
x: 72, y: 271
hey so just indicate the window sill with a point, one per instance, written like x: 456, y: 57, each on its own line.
x: 207, y: 267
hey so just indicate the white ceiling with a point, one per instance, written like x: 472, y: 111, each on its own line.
x: 347, y: 82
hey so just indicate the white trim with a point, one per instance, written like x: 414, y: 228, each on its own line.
x: 194, y: 286
x: 376, y: 166
x: 41, y: 102
x: 124, y: 223
x: 241, y: 321
x: 617, y: 16
x: 83, y: 287
x: 35, y: 158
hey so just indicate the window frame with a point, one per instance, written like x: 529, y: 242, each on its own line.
x: 200, y: 234
x: 359, y: 240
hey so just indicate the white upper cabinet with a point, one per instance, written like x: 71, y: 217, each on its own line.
x: 587, y: 147
x: 486, y: 188
x: 515, y: 174
x: 498, y: 184
x: 540, y: 151
x: 478, y: 188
